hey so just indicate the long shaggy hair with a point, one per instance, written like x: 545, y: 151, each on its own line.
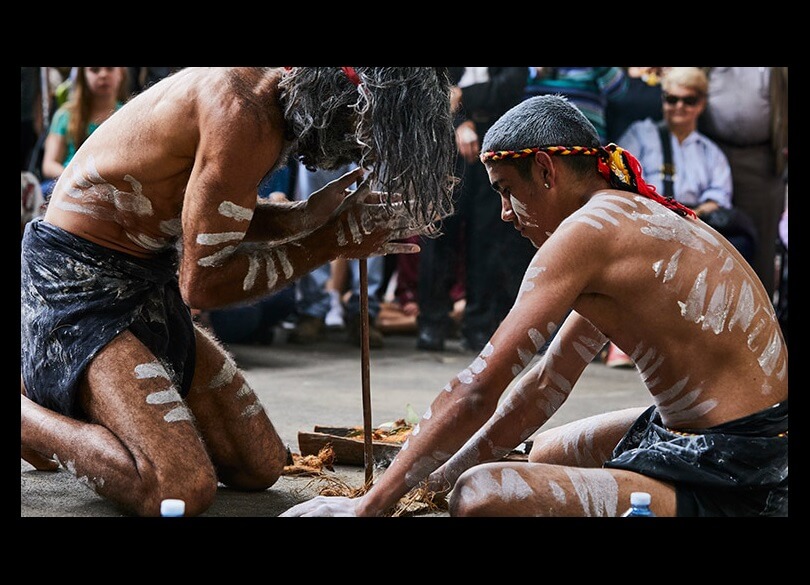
x: 396, y: 123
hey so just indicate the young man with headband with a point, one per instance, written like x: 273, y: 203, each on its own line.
x: 157, y: 213
x: 615, y: 261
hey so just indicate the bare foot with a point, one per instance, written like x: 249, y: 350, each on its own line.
x: 38, y: 460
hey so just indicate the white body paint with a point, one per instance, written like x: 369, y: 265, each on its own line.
x: 597, y: 491
x: 168, y: 395
x: 234, y: 211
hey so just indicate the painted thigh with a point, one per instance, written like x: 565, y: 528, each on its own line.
x: 244, y: 446
x: 588, y: 442
x: 128, y: 391
x: 537, y: 489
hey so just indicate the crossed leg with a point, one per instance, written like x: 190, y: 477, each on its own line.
x: 142, y: 443
x: 563, y: 477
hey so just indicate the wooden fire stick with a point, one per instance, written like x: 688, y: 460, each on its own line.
x: 366, y: 381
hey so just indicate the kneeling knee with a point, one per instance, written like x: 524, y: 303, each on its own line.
x: 197, y: 488
x: 198, y: 492
x: 259, y: 475
x: 470, y: 496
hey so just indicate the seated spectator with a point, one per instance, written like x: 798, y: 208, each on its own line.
x: 96, y: 93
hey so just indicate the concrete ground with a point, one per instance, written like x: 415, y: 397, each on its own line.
x: 321, y: 384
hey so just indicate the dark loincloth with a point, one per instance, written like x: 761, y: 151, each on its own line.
x: 739, y: 468
x: 76, y: 296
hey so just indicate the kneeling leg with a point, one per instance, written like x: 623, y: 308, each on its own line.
x: 244, y: 446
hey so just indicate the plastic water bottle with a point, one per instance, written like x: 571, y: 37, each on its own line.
x: 639, y: 505
x: 172, y: 508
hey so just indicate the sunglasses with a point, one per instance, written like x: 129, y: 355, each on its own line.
x: 690, y: 100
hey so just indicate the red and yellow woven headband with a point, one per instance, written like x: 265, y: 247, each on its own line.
x: 616, y: 165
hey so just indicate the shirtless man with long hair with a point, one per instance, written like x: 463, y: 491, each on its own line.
x: 158, y: 213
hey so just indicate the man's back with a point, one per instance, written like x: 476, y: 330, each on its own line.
x: 680, y: 299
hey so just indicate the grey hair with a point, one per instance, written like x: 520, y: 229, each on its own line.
x: 545, y: 120
x: 396, y: 123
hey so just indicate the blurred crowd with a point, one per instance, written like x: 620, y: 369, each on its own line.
x: 715, y: 138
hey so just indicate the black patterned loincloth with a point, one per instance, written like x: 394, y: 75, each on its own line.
x: 76, y: 296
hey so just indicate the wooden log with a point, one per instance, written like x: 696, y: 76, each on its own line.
x: 349, y: 446
x: 348, y: 450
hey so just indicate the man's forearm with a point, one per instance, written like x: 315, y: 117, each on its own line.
x: 279, y: 222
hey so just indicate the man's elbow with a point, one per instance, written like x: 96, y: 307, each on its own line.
x: 199, y: 293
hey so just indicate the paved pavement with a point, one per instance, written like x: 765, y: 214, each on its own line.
x: 321, y: 384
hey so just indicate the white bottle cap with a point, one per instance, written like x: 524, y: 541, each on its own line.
x: 172, y: 507
x: 640, y: 499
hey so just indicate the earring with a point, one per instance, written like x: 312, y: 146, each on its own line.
x: 546, y: 185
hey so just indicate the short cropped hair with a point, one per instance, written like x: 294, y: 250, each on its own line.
x: 546, y: 120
